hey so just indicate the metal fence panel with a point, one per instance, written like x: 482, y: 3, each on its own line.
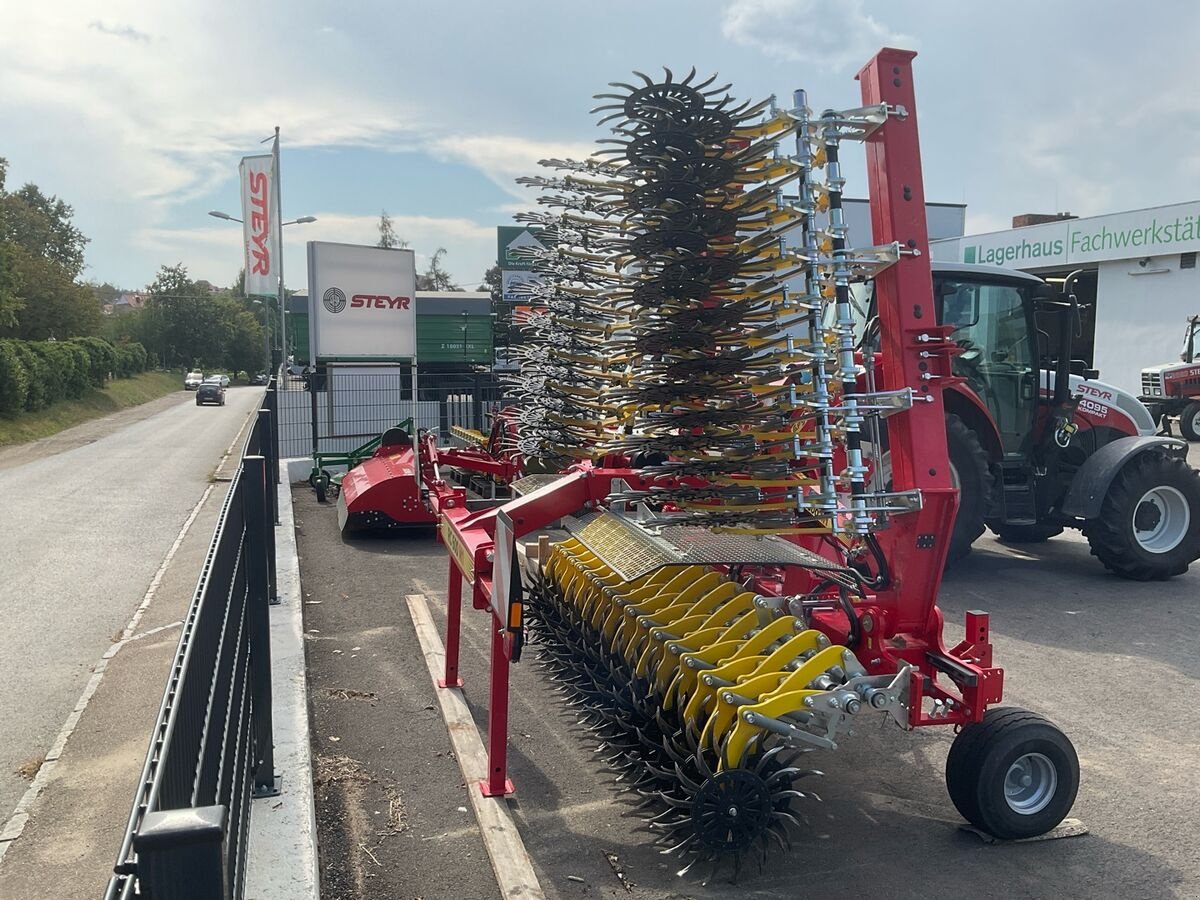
x: 350, y: 405
x: 211, y: 746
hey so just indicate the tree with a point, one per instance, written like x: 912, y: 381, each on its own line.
x: 42, y: 226
x: 184, y: 324
x: 41, y: 255
x: 435, y: 278
x: 104, y: 293
x: 387, y: 234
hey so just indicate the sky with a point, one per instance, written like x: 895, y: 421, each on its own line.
x: 137, y: 113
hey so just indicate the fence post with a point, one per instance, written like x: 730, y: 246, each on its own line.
x: 272, y: 502
x: 180, y: 853
x: 271, y: 403
x: 258, y: 620
x: 312, y: 393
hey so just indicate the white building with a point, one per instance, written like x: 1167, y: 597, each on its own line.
x: 1140, y: 278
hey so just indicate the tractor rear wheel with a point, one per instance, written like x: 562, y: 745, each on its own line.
x: 1026, y: 534
x: 1189, y: 421
x: 970, y: 474
x: 1149, y: 526
x: 1013, y: 775
x: 971, y: 477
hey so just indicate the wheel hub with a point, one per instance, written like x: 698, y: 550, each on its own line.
x: 1030, y: 783
x: 730, y: 810
x: 1161, y: 519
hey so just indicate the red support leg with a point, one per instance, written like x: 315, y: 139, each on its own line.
x: 497, y: 784
x: 453, y: 618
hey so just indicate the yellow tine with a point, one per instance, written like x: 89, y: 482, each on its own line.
x: 703, y: 693
x: 728, y: 612
x: 734, y: 751
x: 809, y: 641
x: 785, y: 697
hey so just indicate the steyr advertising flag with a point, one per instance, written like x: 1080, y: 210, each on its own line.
x: 261, y: 225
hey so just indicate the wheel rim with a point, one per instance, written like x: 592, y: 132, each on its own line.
x: 1030, y: 783
x: 1196, y: 421
x: 1161, y: 519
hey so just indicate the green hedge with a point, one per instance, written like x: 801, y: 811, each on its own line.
x: 36, y: 374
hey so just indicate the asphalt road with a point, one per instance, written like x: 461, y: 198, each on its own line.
x: 1110, y: 661
x: 82, y: 533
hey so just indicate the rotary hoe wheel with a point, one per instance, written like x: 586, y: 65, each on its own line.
x: 677, y: 674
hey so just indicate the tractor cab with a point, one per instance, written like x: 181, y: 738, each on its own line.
x: 1037, y: 443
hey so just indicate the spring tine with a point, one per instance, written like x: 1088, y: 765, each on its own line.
x: 687, y: 842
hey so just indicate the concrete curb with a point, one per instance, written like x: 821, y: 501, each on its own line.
x: 282, y: 856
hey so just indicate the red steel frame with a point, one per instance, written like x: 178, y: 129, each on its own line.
x: 905, y: 622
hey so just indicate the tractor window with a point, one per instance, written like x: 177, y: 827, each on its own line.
x: 991, y: 324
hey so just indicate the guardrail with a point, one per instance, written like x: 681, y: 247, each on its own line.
x: 211, y: 750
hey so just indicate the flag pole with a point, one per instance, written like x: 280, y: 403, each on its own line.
x: 277, y: 224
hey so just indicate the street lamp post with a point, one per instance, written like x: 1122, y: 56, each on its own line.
x: 281, y: 296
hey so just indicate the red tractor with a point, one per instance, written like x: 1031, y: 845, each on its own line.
x: 1173, y: 389
x: 1037, y: 444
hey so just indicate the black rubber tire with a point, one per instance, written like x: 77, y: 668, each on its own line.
x: 980, y: 758
x: 970, y: 462
x: 1026, y: 534
x: 1189, y: 420
x: 1111, y: 534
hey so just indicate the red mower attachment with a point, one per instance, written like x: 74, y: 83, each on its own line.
x: 384, y: 493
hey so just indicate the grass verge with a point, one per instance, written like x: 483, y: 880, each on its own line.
x: 116, y: 395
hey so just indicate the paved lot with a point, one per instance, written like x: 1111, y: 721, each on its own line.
x: 84, y: 531
x: 1111, y: 661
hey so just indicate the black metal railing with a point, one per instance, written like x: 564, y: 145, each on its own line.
x: 212, y: 748
x: 337, y: 408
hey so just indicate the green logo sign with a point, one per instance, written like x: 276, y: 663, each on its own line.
x: 510, y: 240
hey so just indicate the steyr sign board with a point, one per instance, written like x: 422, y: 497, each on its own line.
x: 261, y: 225
x: 361, y: 302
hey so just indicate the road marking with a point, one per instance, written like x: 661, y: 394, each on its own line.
x: 12, y: 828
x: 510, y: 860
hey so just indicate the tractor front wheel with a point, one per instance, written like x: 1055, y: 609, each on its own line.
x: 1189, y: 421
x: 1149, y: 526
x: 1013, y: 775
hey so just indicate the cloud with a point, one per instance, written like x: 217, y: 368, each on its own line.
x: 829, y: 35
x: 214, y: 252
x: 504, y: 158
x: 166, y: 118
x: 121, y: 31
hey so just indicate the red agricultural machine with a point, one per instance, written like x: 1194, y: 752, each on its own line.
x: 748, y: 591
x: 1174, y: 389
x: 389, y: 490
x: 1038, y: 444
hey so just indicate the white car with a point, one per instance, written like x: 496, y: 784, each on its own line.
x: 192, y: 380
x: 224, y: 379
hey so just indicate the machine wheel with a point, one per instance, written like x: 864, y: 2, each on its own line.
x: 319, y: 481
x: 970, y: 474
x: 1149, y: 526
x: 1189, y: 421
x: 1013, y: 775
x: 1026, y: 534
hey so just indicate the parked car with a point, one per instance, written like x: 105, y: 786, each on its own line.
x: 192, y: 380
x: 211, y: 391
x: 260, y: 378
